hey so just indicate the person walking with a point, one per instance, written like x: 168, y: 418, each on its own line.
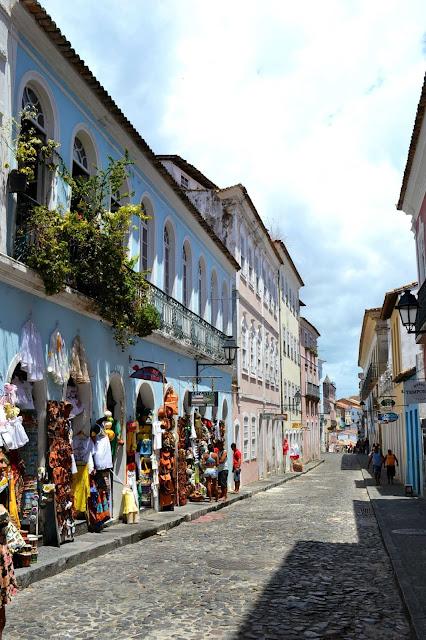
x: 222, y: 469
x: 377, y: 459
x: 390, y: 461
x: 236, y: 467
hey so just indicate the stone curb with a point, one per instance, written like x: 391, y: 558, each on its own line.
x: 119, y: 535
x: 417, y: 616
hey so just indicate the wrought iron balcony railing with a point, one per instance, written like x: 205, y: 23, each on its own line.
x: 370, y: 379
x: 186, y: 327
x: 177, y: 323
x: 312, y: 391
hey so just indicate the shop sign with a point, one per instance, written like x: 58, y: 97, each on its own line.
x: 203, y: 398
x: 148, y: 373
x: 415, y: 391
x: 388, y: 402
x: 296, y: 425
x: 280, y: 416
x: 387, y: 417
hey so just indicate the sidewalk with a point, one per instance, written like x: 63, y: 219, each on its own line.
x: 402, y: 522
x: 54, y: 560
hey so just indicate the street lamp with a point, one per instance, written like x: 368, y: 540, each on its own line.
x: 230, y: 349
x: 298, y: 397
x: 408, y: 307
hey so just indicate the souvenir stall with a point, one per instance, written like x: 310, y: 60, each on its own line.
x: 106, y: 437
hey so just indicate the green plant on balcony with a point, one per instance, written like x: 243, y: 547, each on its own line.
x: 314, y: 351
x: 27, y: 147
x: 85, y: 248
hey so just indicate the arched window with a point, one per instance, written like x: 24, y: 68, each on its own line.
x: 185, y: 298
x: 144, y: 240
x: 167, y: 258
x: 272, y: 362
x: 277, y: 367
x: 267, y: 359
x: 225, y: 308
x: 259, y: 354
x: 244, y: 338
x: 252, y: 351
x: 214, y: 299
x: 36, y: 187
x: 201, y: 287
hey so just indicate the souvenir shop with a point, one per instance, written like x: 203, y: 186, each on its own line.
x: 168, y: 451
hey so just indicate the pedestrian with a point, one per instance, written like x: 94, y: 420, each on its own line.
x: 294, y: 454
x: 366, y: 446
x: 210, y: 462
x: 285, y: 452
x: 8, y: 586
x: 390, y: 461
x: 222, y: 469
x: 378, y: 460
x: 236, y: 467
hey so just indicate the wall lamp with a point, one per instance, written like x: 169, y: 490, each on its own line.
x: 230, y: 349
x: 408, y: 307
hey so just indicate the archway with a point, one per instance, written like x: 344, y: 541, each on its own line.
x: 115, y: 402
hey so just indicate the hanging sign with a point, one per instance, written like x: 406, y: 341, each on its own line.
x: 415, y: 391
x: 387, y: 417
x: 388, y: 402
x: 203, y: 398
x: 280, y: 416
x: 148, y: 373
x: 296, y: 425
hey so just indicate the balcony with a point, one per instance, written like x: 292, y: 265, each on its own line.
x: 185, y: 327
x: 371, y: 378
x: 312, y: 391
x: 177, y: 323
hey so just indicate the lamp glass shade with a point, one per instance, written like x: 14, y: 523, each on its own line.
x: 297, y: 396
x: 408, y: 306
x: 230, y: 349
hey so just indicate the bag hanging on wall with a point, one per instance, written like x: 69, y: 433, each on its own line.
x: 145, y: 479
x: 171, y: 401
x: 145, y: 447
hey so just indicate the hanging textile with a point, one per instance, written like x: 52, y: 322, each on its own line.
x: 80, y: 369
x: 81, y: 487
x: 32, y: 358
x: 57, y: 359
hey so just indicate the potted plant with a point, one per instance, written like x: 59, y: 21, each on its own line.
x: 28, y: 148
x: 17, y: 181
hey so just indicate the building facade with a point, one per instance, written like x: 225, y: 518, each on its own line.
x: 310, y: 390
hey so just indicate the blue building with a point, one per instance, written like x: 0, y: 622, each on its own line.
x: 191, y: 270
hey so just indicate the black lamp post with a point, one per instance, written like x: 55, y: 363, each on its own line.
x: 230, y: 349
x: 408, y: 307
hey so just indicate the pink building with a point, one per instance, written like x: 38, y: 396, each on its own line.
x: 309, y: 375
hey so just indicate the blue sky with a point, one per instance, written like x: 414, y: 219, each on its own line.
x: 311, y: 107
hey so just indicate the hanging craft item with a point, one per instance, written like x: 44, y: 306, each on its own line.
x: 57, y: 359
x: 171, y: 400
x: 80, y: 369
x: 32, y: 358
x: 60, y: 462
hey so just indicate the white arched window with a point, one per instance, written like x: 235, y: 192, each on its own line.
x: 259, y: 354
x: 244, y: 340
x: 243, y: 255
x: 214, y: 299
x: 267, y: 359
x: 167, y: 260
x: 253, y: 438
x: 185, y: 290
x: 225, y: 308
x: 252, y: 351
x: 272, y: 362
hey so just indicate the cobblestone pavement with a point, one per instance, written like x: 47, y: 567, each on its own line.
x: 304, y: 560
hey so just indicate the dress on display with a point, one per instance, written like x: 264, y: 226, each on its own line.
x: 32, y: 358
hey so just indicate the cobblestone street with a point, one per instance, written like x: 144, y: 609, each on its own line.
x: 304, y: 560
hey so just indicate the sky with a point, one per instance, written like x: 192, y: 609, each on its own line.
x: 309, y: 104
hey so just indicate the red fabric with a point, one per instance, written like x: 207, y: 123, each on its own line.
x: 237, y: 458
x: 285, y: 447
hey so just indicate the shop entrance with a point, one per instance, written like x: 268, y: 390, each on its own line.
x: 114, y: 402
x: 144, y: 412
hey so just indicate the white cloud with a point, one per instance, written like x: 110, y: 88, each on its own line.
x: 310, y: 105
